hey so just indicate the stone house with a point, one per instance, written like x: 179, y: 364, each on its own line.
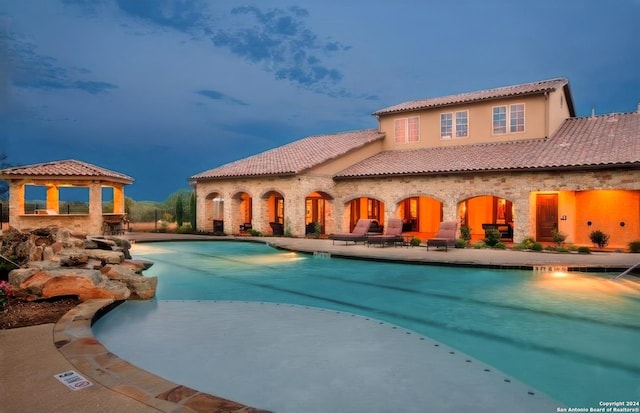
x: 514, y: 158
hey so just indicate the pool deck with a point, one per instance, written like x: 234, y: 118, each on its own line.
x: 31, y: 356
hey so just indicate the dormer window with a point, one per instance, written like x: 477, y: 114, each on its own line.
x: 407, y: 129
x: 459, y: 129
x: 514, y: 117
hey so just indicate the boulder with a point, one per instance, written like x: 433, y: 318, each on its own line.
x: 85, y: 284
x: 141, y: 287
x: 72, y: 257
x: 107, y: 257
x: 137, y: 265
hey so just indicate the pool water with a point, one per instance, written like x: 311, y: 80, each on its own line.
x: 575, y: 337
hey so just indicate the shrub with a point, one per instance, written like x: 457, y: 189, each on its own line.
x: 184, y: 229
x: 634, y: 246
x: 599, y: 238
x: 492, y: 237
x: 536, y: 246
x: 287, y: 228
x: 500, y: 245
x: 460, y: 243
x: 559, y: 237
x: 584, y: 250
x: 479, y: 245
x: 527, y: 243
x: 415, y: 241
x: 465, y: 233
x: 254, y: 232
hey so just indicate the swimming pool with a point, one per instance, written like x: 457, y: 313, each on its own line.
x: 574, y: 337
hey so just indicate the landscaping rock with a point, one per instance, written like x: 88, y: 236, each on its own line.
x: 58, y: 262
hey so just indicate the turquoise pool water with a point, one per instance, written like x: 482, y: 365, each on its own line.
x: 575, y: 337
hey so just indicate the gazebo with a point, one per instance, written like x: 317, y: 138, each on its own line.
x: 68, y: 173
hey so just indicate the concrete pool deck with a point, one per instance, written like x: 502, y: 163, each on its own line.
x: 31, y: 356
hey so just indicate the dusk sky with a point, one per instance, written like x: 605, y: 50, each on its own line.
x: 164, y: 89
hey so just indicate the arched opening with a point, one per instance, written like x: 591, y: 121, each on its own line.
x: 420, y: 215
x: 214, y: 212
x: 273, y: 209
x: 365, y: 207
x: 487, y: 212
x: 242, y: 212
x: 317, y: 209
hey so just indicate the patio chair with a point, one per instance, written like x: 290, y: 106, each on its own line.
x: 277, y: 229
x: 359, y: 232
x: 392, y: 234
x: 446, y: 236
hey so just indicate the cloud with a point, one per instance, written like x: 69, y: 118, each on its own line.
x: 32, y: 70
x: 184, y: 16
x: 280, y: 42
x: 215, y: 95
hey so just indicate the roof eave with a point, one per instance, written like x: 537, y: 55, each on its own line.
x: 630, y: 165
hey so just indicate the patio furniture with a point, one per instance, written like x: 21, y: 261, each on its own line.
x: 446, y: 236
x: 359, y: 232
x: 392, y: 235
x: 277, y: 229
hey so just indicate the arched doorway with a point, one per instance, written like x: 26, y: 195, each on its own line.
x: 273, y: 209
x: 486, y: 212
x: 317, y: 208
x: 365, y: 207
x: 421, y: 215
x: 242, y: 216
x: 214, y: 212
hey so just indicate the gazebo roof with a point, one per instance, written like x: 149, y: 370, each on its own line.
x: 70, y: 169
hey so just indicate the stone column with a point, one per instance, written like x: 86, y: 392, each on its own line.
x: 53, y: 198
x: 118, y: 199
x: 95, y: 208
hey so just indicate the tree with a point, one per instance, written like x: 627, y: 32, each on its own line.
x: 179, y: 211
x: 4, y: 185
x: 192, y: 210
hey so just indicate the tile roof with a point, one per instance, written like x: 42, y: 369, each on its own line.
x: 294, y: 157
x: 501, y: 92
x: 68, y: 168
x: 589, y: 142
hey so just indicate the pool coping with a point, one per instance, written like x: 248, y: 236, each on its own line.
x: 74, y: 339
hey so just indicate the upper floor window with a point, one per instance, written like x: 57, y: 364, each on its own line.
x: 407, y: 129
x: 448, y: 129
x: 514, y: 118
x: 517, y: 118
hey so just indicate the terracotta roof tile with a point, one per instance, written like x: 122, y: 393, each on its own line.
x: 67, y: 168
x: 294, y: 157
x: 606, y: 140
x: 502, y: 92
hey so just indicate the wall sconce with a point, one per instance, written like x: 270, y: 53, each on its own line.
x: 589, y: 223
x: 622, y: 224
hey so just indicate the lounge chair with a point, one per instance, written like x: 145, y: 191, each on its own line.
x: 359, y: 232
x: 392, y: 234
x: 446, y: 236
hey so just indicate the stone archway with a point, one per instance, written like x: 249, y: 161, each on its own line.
x: 318, y: 213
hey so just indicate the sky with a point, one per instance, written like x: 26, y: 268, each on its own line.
x: 161, y: 90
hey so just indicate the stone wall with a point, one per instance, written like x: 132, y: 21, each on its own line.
x: 517, y: 187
